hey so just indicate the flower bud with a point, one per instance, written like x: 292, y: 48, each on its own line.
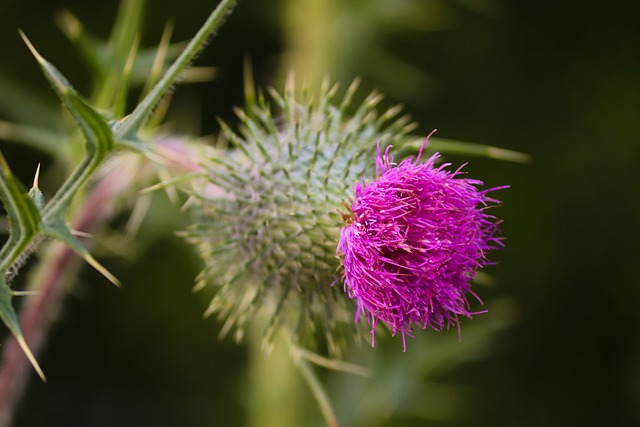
x: 269, y: 237
x: 413, y: 240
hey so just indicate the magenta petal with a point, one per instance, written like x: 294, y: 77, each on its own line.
x: 416, y: 238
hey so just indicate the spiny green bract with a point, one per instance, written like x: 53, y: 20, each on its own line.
x: 268, y: 231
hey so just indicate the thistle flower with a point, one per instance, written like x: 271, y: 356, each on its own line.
x: 268, y: 238
x: 413, y: 240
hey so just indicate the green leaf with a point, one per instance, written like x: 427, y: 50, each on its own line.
x: 99, y: 142
x: 28, y: 216
x: 24, y: 224
x: 8, y: 316
x: 97, y: 133
x: 26, y: 213
x: 61, y: 232
x: 23, y: 215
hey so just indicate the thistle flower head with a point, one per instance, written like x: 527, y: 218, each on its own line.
x: 268, y: 237
x: 413, y: 240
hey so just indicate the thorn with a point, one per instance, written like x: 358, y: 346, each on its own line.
x: 35, y: 178
x: 33, y: 50
x: 79, y: 233
x: 31, y: 357
x: 34, y: 192
x: 95, y: 264
x: 61, y: 231
x: 25, y: 293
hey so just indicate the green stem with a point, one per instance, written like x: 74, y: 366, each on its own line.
x: 128, y: 128
x: 271, y: 380
x: 318, y: 393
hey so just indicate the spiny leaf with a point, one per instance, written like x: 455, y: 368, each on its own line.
x: 57, y: 80
x: 26, y: 220
x: 62, y: 233
x: 98, y: 143
x: 90, y: 121
x: 24, y: 217
x: 98, y: 136
x: 8, y: 316
x: 24, y: 224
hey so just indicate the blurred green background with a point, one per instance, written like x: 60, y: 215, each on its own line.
x: 560, y: 345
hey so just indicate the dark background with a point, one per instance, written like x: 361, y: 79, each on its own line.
x: 557, y: 80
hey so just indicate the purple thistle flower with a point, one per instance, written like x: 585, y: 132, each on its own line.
x: 414, y: 239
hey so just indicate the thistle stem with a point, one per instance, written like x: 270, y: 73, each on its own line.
x: 318, y: 392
